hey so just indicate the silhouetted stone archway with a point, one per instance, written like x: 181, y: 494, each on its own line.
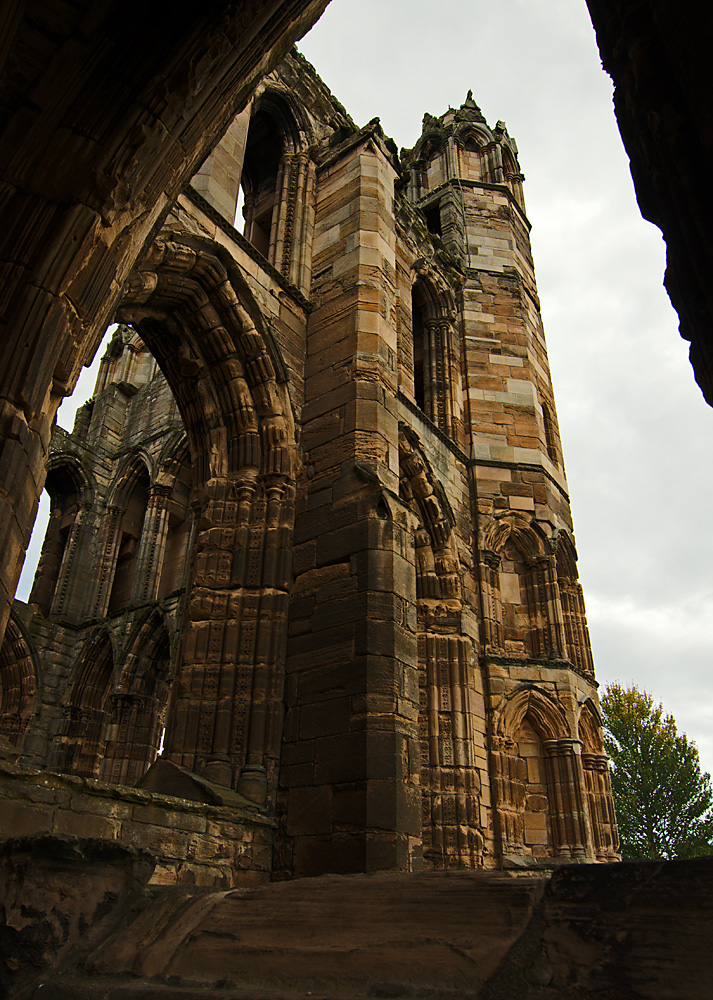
x: 88, y: 167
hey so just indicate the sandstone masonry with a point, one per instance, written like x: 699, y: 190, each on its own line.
x: 311, y: 538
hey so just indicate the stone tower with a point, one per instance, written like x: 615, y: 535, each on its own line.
x: 315, y: 522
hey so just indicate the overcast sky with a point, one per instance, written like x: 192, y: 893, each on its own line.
x: 636, y: 432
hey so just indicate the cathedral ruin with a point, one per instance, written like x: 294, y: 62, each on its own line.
x: 308, y: 599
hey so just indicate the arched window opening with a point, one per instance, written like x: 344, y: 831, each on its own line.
x: 419, y: 375
x: 75, y: 411
x: 538, y: 782
x: 80, y: 744
x: 17, y: 686
x: 127, y: 554
x: 520, y: 596
x: 519, y: 615
x: 433, y: 219
x: 178, y: 535
x: 261, y: 167
x: 138, y: 708
x: 536, y: 817
x: 64, y: 491
x: 278, y: 187
x: 436, y: 363
x: 471, y: 158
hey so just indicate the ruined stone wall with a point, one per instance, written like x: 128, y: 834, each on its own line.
x: 192, y: 843
x: 351, y: 461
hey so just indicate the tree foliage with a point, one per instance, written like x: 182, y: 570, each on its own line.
x: 662, y: 800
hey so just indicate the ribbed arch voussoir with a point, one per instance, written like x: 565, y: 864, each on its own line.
x: 232, y: 402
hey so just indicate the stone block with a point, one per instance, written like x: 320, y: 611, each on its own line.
x: 297, y: 775
x: 535, y: 828
x: 309, y: 811
x: 340, y: 758
x: 72, y: 824
x: 171, y: 819
x: 349, y: 806
x: 110, y: 808
x: 19, y: 819
x: 325, y: 718
x: 387, y: 852
x: 159, y: 841
x: 341, y: 852
x: 394, y: 806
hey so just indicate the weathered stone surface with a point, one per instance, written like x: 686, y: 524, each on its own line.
x: 345, y: 383
x: 365, y: 372
x: 82, y: 190
x: 59, y: 894
x: 618, y: 932
x: 221, y: 844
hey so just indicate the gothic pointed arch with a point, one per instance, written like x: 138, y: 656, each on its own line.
x: 578, y: 646
x: 436, y: 354
x: 119, y: 574
x: 80, y: 744
x: 278, y: 179
x: 135, y: 467
x: 472, y: 140
x: 193, y: 310
x: 428, y: 157
x: 174, y: 453
x: 138, y: 703
x: 201, y: 323
x: 436, y: 555
x: 538, y: 780
x: 18, y: 683
x: 529, y: 536
x: 546, y: 716
x: 589, y: 726
x: 70, y: 489
x: 522, y: 615
x: 597, y: 780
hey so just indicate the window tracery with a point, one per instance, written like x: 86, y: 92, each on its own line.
x: 436, y: 355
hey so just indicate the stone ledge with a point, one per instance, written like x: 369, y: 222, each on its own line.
x: 197, y: 843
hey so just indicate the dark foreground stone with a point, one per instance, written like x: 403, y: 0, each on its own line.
x: 616, y: 932
x: 60, y: 896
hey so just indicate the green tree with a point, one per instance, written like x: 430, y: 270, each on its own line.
x: 662, y: 800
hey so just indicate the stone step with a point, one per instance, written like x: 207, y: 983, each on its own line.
x: 436, y: 935
x: 636, y: 931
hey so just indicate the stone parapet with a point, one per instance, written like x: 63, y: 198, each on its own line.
x: 192, y: 843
